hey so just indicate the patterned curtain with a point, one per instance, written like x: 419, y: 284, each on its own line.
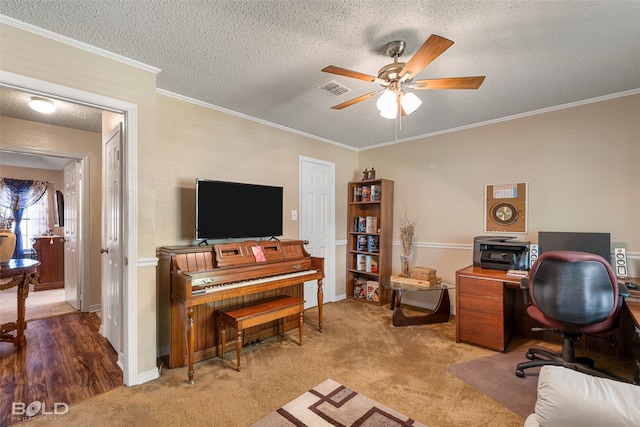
x: 17, y: 194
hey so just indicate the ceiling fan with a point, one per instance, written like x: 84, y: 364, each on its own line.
x: 397, y: 77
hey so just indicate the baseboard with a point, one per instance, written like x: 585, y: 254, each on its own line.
x: 150, y: 375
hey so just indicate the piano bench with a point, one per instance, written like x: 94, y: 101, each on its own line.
x: 257, y: 314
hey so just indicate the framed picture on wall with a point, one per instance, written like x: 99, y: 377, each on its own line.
x: 505, y: 208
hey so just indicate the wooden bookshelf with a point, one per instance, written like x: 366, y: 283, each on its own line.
x: 369, y: 239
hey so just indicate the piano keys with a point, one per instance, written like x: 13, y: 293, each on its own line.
x: 209, y: 278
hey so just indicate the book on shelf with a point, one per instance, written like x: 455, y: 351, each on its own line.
x: 373, y: 243
x: 371, y: 224
x: 357, y: 194
x: 376, y: 195
x: 371, y: 264
x: 361, y: 243
x: 373, y: 290
x: 360, y: 287
x: 366, y: 193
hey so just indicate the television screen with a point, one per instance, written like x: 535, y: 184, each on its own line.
x: 595, y: 243
x: 229, y: 209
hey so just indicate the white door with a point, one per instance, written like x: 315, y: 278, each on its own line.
x: 72, y: 191
x: 112, y: 253
x: 317, y: 222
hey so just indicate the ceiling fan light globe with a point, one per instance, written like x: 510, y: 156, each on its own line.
x: 389, y: 114
x: 410, y: 102
x: 387, y: 101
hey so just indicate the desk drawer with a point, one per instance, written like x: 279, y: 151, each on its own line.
x: 480, y: 287
x: 468, y: 302
x: 482, y: 329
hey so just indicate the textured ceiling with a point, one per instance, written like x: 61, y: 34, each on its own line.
x: 262, y: 59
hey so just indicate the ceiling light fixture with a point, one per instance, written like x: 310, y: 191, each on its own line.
x: 42, y: 105
x: 388, y: 103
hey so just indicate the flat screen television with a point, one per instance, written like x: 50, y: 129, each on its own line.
x: 229, y: 209
x: 595, y: 243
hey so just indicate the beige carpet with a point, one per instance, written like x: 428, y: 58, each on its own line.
x: 332, y: 404
x: 401, y: 368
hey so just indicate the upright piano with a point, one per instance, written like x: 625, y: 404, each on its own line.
x: 203, y: 279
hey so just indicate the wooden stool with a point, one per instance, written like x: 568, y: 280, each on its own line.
x: 257, y: 314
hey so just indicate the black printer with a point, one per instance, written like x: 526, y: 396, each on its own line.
x: 500, y: 253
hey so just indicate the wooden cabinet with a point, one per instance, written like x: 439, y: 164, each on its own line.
x: 50, y: 253
x: 369, y: 239
x: 484, y: 312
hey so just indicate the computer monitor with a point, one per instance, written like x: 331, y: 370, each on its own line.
x: 595, y: 243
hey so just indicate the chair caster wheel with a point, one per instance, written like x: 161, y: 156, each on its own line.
x: 531, y: 356
x: 520, y: 373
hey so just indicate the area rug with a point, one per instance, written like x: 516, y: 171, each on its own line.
x: 495, y: 376
x: 332, y: 404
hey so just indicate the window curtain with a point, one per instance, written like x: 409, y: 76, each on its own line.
x: 16, y: 195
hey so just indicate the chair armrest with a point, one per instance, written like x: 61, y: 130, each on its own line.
x: 623, y: 291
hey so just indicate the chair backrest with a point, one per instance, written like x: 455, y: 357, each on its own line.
x: 574, y: 287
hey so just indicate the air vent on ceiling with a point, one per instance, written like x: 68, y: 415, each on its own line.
x: 334, y: 88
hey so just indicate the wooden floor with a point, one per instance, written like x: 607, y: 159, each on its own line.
x: 65, y: 360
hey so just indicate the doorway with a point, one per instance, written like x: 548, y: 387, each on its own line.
x: 129, y: 111
x: 45, y: 235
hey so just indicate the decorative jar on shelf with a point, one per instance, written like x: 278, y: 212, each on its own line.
x: 7, y: 245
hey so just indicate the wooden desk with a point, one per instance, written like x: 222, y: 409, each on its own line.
x: 633, y: 308
x: 490, y: 310
x: 20, y: 273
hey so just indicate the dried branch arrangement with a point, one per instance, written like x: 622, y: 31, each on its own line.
x: 407, y: 231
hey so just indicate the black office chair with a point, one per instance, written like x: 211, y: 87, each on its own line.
x: 573, y: 293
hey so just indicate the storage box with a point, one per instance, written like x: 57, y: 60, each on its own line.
x: 423, y: 273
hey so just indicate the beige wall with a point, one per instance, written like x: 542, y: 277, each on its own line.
x: 47, y: 175
x: 580, y: 163
x: 198, y: 142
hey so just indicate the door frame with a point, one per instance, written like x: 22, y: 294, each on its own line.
x: 130, y: 185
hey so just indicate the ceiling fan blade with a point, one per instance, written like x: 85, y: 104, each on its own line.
x: 430, y: 50
x: 355, y: 100
x: 353, y: 74
x: 473, y: 82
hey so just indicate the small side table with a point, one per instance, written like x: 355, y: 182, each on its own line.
x: 20, y: 273
x: 399, y: 284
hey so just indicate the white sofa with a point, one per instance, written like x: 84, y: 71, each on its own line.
x: 569, y: 398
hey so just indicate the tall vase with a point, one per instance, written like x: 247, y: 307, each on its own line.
x: 404, y: 260
x: 7, y: 245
